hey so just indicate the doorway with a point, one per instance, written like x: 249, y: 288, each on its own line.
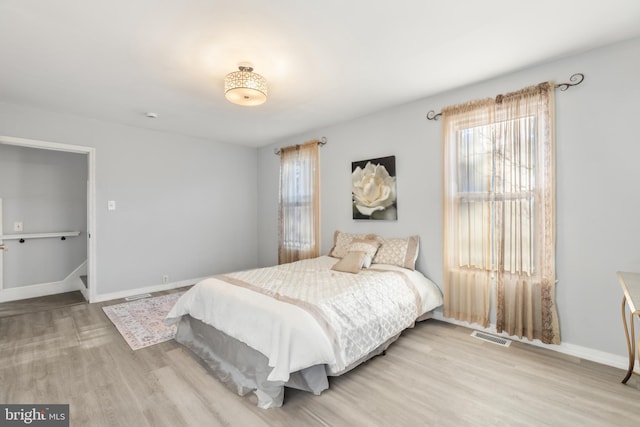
x: 89, y: 288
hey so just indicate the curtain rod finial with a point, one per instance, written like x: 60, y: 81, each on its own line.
x: 431, y: 115
x: 576, y: 79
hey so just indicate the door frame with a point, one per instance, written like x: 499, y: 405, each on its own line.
x: 91, y: 195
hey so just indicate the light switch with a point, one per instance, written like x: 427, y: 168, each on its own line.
x: 17, y: 226
x: 111, y: 205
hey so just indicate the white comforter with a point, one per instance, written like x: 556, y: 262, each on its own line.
x: 288, y: 335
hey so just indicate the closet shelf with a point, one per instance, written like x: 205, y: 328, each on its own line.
x: 22, y: 237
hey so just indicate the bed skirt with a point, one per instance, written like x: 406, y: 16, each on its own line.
x: 241, y: 368
x: 244, y: 369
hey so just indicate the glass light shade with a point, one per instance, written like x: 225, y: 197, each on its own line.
x: 245, y: 87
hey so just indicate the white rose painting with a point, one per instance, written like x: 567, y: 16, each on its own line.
x: 373, y: 189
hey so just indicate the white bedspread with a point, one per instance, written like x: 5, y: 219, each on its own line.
x: 288, y: 335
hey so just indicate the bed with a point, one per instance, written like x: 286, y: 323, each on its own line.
x: 295, y: 324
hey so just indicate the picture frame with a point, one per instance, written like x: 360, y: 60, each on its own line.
x: 373, y: 189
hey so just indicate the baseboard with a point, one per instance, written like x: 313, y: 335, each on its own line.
x: 68, y: 284
x: 586, y: 353
x: 39, y: 290
x: 147, y: 289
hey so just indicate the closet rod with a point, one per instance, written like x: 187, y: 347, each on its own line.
x: 575, y: 80
x: 321, y: 142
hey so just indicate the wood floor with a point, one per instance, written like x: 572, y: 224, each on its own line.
x: 30, y: 305
x: 434, y: 375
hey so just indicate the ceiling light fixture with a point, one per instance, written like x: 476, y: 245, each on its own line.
x: 245, y: 87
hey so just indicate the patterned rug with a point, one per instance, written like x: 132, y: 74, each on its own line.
x: 140, y: 322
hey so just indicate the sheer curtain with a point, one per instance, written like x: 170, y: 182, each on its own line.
x: 500, y: 212
x: 467, y: 211
x: 299, y: 203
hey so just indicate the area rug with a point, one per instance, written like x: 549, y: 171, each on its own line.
x: 140, y: 322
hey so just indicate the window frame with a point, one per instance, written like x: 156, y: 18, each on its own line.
x: 489, y: 195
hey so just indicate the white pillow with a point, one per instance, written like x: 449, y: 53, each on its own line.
x: 367, y: 246
x: 342, y: 240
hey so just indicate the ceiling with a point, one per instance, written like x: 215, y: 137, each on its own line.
x: 325, y: 61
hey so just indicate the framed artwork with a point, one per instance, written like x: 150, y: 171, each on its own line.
x: 373, y: 189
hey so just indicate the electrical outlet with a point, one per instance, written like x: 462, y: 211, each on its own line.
x: 17, y: 226
x: 165, y: 279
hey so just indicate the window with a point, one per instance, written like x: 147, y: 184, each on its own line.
x: 299, y: 203
x: 496, y: 178
x: 499, y: 212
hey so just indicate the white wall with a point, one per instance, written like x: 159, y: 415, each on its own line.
x: 47, y: 192
x: 597, y: 177
x: 185, y: 207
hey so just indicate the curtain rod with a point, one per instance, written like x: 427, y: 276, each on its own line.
x: 321, y: 142
x: 576, y: 79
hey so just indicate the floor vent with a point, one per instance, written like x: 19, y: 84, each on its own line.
x: 491, y: 338
x: 135, y: 297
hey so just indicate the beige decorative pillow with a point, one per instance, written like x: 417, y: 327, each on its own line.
x: 367, y: 246
x: 400, y: 252
x: 351, y: 263
x: 342, y: 240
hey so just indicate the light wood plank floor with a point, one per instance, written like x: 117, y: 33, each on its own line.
x: 434, y: 375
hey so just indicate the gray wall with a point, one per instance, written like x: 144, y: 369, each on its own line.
x: 47, y: 192
x: 185, y: 207
x: 597, y: 177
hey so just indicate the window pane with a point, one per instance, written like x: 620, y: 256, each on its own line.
x: 515, y: 160
x: 495, y: 193
x: 475, y: 148
x: 297, y: 209
x: 474, y: 233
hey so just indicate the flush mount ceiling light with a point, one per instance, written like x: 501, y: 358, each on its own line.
x: 245, y: 87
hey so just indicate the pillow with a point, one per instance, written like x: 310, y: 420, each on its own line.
x: 352, y: 262
x: 367, y: 246
x: 400, y: 252
x: 341, y: 242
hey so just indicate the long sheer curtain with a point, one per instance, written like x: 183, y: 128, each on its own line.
x: 299, y: 203
x: 499, y: 212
